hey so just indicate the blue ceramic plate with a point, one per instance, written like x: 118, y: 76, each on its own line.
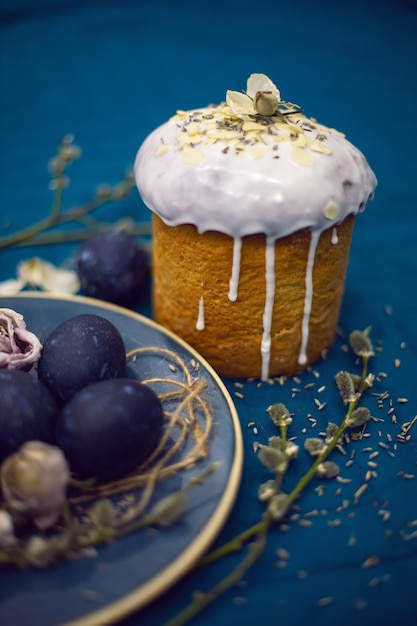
x: 132, y: 571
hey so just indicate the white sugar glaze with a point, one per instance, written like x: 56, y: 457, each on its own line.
x: 242, y: 195
x: 244, y: 177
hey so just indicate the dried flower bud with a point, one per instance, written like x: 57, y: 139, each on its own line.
x: 266, y: 103
x: 19, y: 348
x: 369, y: 380
x: 356, y: 380
x: 34, y: 482
x: 360, y: 342
x: 291, y: 450
x: 60, y: 182
x: 130, y: 176
x: 103, y: 513
x: 120, y: 191
x: 358, y: 417
x: 266, y: 490
x: 7, y: 536
x: 314, y: 446
x: 56, y: 166
x: 70, y: 153
x: 67, y: 139
x: 279, y: 414
x: 346, y: 386
x: 103, y: 192
x: 331, y: 431
x: 275, y: 442
x: 261, y: 97
x: 278, y: 506
x: 39, y: 551
x: 328, y: 469
x: 168, y: 510
x: 274, y: 459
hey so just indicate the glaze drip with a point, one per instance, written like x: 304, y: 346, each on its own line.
x: 335, y: 238
x: 269, y: 305
x: 234, y: 280
x: 200, y: 325
x: 308, y: 298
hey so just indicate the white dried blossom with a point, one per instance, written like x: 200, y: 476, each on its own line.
x: 36, y: 272
x: 12, y: 286
x: 369, y: 380
x: 34, y: 482
x: 7, y: 536
x: 19, y: 348
x: 43, y: 275
x: 261, y: 98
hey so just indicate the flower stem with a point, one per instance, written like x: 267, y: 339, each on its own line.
x: 259, y: 530
x: 32, y: 234
x: 57, y: 200
x: 235, y: 544
x: 203, y: 599
x: 24, y: 235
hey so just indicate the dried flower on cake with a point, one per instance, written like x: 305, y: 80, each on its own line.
x: 261, y: 97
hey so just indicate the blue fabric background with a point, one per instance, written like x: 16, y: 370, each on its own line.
x: 109, y: 72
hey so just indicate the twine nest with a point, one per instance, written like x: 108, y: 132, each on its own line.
x: 188, y: 419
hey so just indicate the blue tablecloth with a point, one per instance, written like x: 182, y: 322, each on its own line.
x: 109, y: 72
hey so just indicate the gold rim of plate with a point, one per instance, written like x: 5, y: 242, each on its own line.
x: 160, y: 583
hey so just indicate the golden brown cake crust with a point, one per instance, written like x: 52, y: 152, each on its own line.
x: 188, y: 266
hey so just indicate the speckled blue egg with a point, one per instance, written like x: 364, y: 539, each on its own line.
x: 28, y: 411
x: 82, y: 350
x: 109, y: 428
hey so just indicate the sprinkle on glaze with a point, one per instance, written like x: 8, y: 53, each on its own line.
x: 331, y: 210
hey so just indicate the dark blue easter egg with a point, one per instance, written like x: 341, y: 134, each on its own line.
x: 28, y: 411
x: 82, y: 350
x: 109, y: 428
